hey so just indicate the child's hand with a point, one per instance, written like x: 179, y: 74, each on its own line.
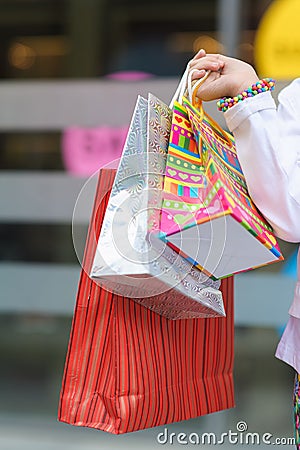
x: 228, y: 77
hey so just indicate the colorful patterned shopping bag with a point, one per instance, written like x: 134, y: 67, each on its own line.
x: 207, y: 214
x: 128, y: 368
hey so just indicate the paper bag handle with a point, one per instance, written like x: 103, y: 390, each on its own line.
x: 181, y: 88
x: 189, y: 88
x: 186, y: 86
x: 197, y: 103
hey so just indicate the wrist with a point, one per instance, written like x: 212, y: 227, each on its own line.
x: 243, y: 85
x: 242, y: 79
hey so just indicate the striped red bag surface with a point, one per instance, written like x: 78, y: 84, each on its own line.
x: 128, y: 368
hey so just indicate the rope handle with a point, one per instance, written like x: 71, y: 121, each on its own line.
x: 180, y: 90
x: 197, y: 103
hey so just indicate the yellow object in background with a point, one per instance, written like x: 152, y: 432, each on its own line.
x: 277, y: 43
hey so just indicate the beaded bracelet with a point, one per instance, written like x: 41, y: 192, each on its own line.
x: 266, y: 84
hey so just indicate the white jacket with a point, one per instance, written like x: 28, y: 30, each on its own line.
x: 268, y: 147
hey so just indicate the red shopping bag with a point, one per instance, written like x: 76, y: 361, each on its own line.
x: 128, y: 368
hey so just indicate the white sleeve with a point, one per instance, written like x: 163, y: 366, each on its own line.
x: 268, y: 147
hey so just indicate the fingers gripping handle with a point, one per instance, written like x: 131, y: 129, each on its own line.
x: 189, y: 88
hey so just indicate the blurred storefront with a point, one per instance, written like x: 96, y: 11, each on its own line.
x: 72, y: 38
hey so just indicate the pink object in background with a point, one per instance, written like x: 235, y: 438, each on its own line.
x: 86, y: 150
x: 132, y: 75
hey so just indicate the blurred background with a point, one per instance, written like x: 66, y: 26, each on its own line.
x: 70, y: 71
